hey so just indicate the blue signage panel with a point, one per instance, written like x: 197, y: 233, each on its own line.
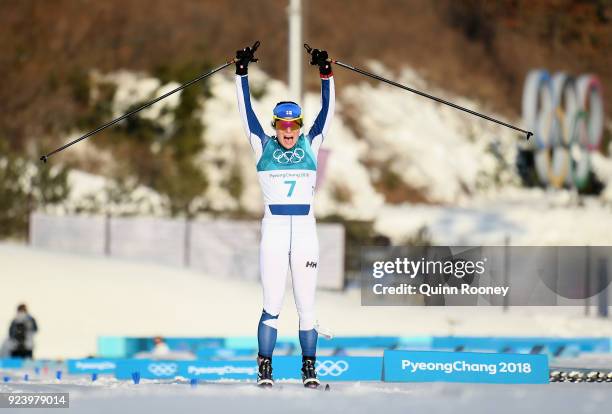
x: 219, y: 370
x: 415, y: 342
x: 92, y: 366
x: 435, y: 366
x: 11, y: 363
x: 250, y: 342
x: 192, y: 344
x: 225, y: 353
x: 147, y: 368
x: 359, y: 342
x: 521, y: 344
x: 340, y: 368
x: 285, y: 367
x: 126, y: 347
x: 206, y: 370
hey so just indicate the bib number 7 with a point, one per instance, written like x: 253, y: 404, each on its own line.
x: 291, y: 186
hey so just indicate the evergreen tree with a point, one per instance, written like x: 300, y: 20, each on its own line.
x: 26, y: 186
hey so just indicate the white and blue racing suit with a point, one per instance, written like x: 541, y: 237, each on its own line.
x: 288, y: 232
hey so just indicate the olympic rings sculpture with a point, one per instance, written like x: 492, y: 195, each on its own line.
x: 566, y: 115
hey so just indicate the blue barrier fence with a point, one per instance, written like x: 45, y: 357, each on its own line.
x: 552, y: 346
x: 11, y: 363
x: 285, y: 368
x: 394, y: 366
x: 94, y: 365
x: 236, y: 347
x: 219, y: 358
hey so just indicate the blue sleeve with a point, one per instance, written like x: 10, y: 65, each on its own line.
x: 323, y: 120
x: 250, y: 122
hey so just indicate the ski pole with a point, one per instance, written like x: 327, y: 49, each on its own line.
x: 44, y: 158
x: 426, y: 95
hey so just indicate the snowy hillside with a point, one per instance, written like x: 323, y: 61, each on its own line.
x: 402, y: 161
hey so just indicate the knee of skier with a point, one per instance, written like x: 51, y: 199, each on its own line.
x: 272, y: 305
x: 269, y: 319
x: 307, y: 320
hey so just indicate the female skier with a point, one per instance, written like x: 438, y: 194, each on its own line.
x: 287, y: 170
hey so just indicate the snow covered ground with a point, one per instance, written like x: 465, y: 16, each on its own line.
x: 77, y: 298
x: 527, y: 217
x: 107, y: 396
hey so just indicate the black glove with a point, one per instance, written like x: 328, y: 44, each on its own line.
x: 319, y: 58
x: 243, y: 57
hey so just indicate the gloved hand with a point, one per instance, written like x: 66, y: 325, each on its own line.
x: 243, y: 57
x: 319, y: 58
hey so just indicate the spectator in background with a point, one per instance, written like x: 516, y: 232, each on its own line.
x: 161, y: 350
x: 160, y: 347
x: 21, y: 333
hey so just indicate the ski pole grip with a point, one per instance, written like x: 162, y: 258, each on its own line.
x: 253, y: 49
x: 309, y: 51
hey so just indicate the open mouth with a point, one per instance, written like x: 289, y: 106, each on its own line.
x: 288, y: 138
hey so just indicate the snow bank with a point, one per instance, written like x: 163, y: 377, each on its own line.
x: 77, y: 298
x: 460, y: 165
x: 527, y: 217
x: 440, y: 151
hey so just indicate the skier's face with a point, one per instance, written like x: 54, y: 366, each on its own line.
x: 287, y: 136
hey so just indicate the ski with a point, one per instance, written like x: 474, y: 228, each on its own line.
x: 278, y: 386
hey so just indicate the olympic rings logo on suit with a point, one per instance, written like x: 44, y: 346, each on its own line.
x: 331, y: 368
x: 289, y: 156
x: 162, y: 369
x: 567, y: 117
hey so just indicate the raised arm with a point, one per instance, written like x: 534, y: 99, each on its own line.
x: 321, y: 124
x: 250, y: 123
x: 252, y: 127
x: 318, y: 131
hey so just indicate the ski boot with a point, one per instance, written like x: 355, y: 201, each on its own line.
x: 264, y: 375
x: 309, y: 373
